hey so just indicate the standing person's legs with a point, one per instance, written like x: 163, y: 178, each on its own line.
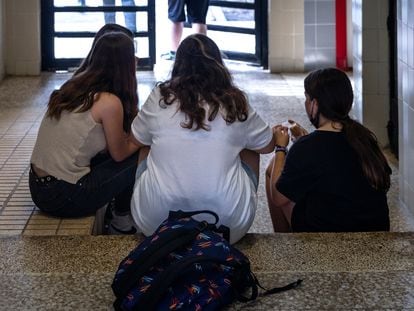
x: 109, y: 16
x: 196, y: 14
x: 199, y: 28
x: 130, y: 17
x: 176, y: 15
x: 176, y: 34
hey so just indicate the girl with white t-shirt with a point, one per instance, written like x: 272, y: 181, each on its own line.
x: 204, y: 141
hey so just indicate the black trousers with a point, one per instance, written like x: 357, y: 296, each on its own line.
x: 106, y: 180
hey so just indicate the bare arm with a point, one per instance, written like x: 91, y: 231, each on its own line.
x: 108, y: 110
x: 274, y: 171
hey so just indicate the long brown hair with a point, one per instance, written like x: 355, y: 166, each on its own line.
x: 111, y: 68
x: 198, y: 76
x: 332, y: 89
x: 103, y: 30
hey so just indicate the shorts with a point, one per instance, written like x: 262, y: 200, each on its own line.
x: 142, y: 167
x: 252, y: 175
x: 196, y: 10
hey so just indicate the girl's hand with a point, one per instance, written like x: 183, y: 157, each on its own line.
x: 297, y: 130
x: 281, y: 135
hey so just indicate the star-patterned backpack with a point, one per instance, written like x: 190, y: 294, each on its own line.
x: 185, y: 265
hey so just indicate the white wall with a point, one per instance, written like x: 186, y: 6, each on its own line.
x: 320, y: 34
x: 286, y: 35
x: 405, y: 39
x: 371, y: 65
x: 357, y: 58
x: 23, y: 55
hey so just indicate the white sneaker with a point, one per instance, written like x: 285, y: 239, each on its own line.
x: 121, y: 225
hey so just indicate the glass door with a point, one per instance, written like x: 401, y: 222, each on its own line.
x: 240, y: 29
x: 68, y: 28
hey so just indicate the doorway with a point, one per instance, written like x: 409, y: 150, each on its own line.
x: 68, y: 26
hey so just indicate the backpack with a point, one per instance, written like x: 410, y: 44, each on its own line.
x: 185, y: 265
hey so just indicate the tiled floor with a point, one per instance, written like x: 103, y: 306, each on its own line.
x: 22, y: 104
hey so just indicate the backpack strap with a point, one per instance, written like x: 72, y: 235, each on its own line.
x: 281, y: 289
x: 254, y: 284
x: 275, y: 290
x: 222, y: 230
x: 183, y: 214
x: 168, y: 276
x: 151, y: 255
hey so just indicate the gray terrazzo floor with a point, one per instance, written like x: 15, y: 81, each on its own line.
x: 341, y: 271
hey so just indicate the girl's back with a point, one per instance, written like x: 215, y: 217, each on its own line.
x: 195, y: 170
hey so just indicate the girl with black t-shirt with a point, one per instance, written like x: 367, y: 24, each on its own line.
x: 334, y: 179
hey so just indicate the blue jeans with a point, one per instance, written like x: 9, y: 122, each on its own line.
x: 106, y: 180
x: 252, y: 175
x: 130, y: 17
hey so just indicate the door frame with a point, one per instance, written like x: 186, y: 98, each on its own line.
x: 392, y: 126
x: 49, y: 62
x: 48, y: 33
x: 260, y: 7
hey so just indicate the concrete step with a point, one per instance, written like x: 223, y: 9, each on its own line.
x: 339, y: 270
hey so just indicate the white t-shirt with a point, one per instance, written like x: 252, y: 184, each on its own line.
x: 195, y: 170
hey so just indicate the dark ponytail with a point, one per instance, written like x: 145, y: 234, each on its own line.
x: 333, y: 91
x: 373, y: 162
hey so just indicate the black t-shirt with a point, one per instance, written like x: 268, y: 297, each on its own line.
x: 322, y: 175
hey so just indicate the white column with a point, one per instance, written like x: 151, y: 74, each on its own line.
x: 371, y: 65
x: 405, y: 10
x: 22, y: 33
x: 286, y: 35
